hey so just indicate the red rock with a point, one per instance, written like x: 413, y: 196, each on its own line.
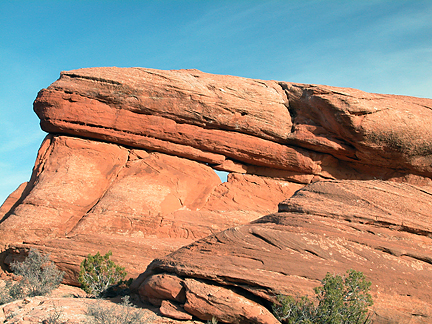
x: 136, y: 178
x: 382, y: 229
x: 253, y: 193
x: 172, y: 310
x: 12, y: 200
x: 166, y: 287
x: 163, y: 134
x: 145, y: 191
x: 87, y: 196
x: 357, y: 126
x: 201, y: 299
x: 330, y: 132
x: 244, y: 105
x: 70, y: 176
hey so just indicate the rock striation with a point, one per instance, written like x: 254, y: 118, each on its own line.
x: 87, y: 196
x: 380, y: 228
x: 321, y: 131
x: 128, y: 166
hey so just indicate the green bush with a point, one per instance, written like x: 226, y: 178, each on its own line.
x: 340, y: 300
x: 98, y: 273
x: 39, y: 276
x: 291, y: 310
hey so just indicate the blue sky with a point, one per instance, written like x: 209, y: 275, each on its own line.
x: 376, y: 46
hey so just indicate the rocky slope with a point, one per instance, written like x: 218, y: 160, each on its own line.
x: 383, y: 229
x: 128, y: 166
x: 70, y: 305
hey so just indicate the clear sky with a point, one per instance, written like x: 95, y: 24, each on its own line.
x: 376, y: 46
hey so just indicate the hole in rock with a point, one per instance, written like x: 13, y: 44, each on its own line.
x: 222, y: 175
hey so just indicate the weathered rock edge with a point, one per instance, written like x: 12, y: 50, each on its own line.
x: 380, y: 228
x: 329, y: 132
x: 86, y: 196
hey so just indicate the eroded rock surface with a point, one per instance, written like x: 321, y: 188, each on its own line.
x: 87, y: 196
x: 380, y: 228
x: 128, y: 167
x: 68, y: 304
x: 318, y: 130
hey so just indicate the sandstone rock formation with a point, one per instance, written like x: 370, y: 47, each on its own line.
x: 87, y: 196
x: 128, y: 166
x: 68, y: 304
x: 320, y: 131
x: 383, y: 229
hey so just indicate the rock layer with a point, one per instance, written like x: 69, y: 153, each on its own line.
x: 317, y: 130
x: 128, y: 167
x: 87, y: 196
x: 379, y: 228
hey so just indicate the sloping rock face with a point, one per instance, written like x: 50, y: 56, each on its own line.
x: 128, y: 166
x: 87, y: 196
x: 383, y: 229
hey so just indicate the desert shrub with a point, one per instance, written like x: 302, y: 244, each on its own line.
x: 10, y: 292
x: 294, y: 310
x: 340, y: 300
x: 98, y: 273
x: 39, y: 275
x: 54, y: 317
x: 125, y: 313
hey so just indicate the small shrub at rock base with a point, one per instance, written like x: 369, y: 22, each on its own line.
x: 55, y: 316
x: 39, y: 276
x: 292, y: 310
x: 125, y: 313
x: 340, y: 300
x: 212, y: 321
x: 98, y: 273
x: 10, y: 292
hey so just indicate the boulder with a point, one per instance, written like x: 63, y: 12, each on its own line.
x: 328, y: 132
x: 171, y: 310
x: 380, y: 228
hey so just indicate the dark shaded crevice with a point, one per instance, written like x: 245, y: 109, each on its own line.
x: 240, y: 290
x: 402, y: 228
x: 424, y: 259
x: 91, y: 78
x: 398, y: 254
x: 314, y: 253
x: 261, y: 237
x: 291, y: 110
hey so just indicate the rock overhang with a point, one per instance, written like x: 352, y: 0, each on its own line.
x: 324, y: 131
